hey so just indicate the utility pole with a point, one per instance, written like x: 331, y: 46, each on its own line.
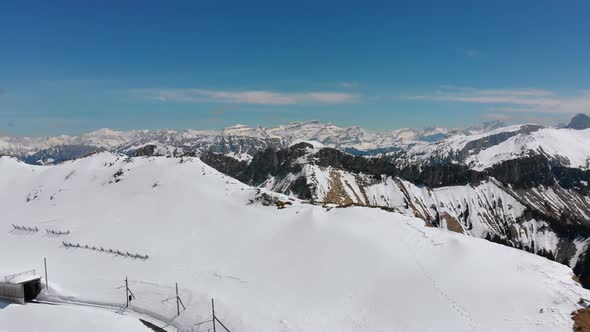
x: 126, y: 292
x: 177, y: 301
x: 46, y: 281
x: 213, y: 309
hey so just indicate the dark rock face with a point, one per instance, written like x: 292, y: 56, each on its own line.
x: 530, y: 172
x: 573, y: 178
x: 524, y: 173
x: 429, y: 175
x: 441, y: 175
x: 269, y: 162
x: 145, y: 151
x: 60, y: 153
x: 579, y: 122
x: 227, y: 165
x: 192, y: 146
x: 582, y: 269
x: 300, y: 188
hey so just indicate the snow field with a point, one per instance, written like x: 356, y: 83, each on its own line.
x: 302, y: 268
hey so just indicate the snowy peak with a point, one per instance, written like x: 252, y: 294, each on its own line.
x: 481, y: 151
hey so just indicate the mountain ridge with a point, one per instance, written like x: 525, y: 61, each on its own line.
x: 246, y: 141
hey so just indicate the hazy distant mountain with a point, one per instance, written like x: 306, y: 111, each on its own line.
x: 240, y: 140
x: 579, y: 122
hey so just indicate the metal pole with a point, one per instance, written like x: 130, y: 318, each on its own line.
x: 220, y: 323
x: 177, y: 301
x: 46, y: 281
x: 126, y: 292
x: 213, y: 309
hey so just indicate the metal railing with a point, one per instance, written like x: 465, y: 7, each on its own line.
x: 26, y: 273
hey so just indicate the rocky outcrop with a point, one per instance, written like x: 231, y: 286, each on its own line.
x: 524, y: 173
x: 579, y: 122
x: 176, y: 144
x: 144, y: 151
x: 60, y: 153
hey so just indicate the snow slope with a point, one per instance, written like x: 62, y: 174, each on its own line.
x: 301, y: 268
x: 65, y: 318
x: 569, y: 146
x: 486, y: 210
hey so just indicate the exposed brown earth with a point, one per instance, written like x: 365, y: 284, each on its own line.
x: 452, y: 223
x: 337, y: 193
x: 581, y: 319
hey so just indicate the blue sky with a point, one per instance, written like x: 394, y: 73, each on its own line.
x: 76, y: 66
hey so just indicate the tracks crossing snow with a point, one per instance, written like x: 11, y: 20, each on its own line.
x: 459, y: 309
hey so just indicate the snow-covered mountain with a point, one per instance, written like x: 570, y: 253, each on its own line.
x: 50, y: 150
x: 272, y: 262
x: 564, y: 146
x: 240, y: 141
x: 525, y: 203
x: 478, y: 147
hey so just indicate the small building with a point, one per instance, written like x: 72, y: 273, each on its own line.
x: 21, y: 287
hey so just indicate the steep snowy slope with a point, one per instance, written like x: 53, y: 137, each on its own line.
x: 564, y: 146
x: 299, y: 268
x: 487, y: 210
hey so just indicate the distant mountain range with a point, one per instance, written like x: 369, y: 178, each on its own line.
x: 525, y: 186
x: 472, y: 145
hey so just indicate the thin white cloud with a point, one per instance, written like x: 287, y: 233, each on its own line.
x: 513, y: 100
x: 258, y: 97
x: 348, y: 85
x: 327, y: 97
x: 472, y: 53
x: 497, y: 116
